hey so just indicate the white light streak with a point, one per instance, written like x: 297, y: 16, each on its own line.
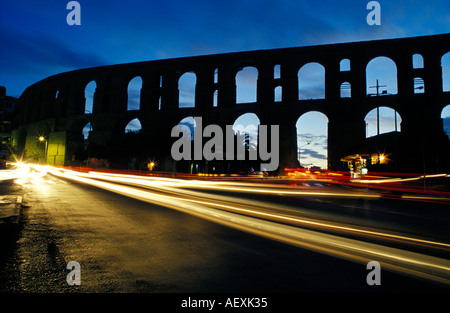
x: 225, y: 212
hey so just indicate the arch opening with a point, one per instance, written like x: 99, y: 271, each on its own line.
x: 134, y: 126
x: 89, y: 92
x: 246, y: 85
x: 382, y: 120
x: 381, y: 77
x: 215, y: 98
x: 312, y: 140
x: 346, y: 90
x: 344, y: 65
x: 188, y: 125
x: 186, y: 88
x: 248, y: 124
x: 419, y: 85
x: 311, y: 81
x: 216, y: 76
x: 277, y: 71
x: 134, y: 94
x: 245, y: 129
x: 417, y: 61
x: 86, y: 131
x: 445, y: 64
x: 445, y: 115
x: 278, y: 94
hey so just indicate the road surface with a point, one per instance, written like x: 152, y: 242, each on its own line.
x: 163, y: 235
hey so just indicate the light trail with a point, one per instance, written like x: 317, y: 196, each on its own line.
x: 21, y: 172
x: 218, y: 202
x: 228, y: 186
x: 226, y: 213
x: 265, y: 188
x: 396, y: 180
x: 177, y: 187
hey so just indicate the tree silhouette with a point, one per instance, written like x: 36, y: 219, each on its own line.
x: 243, y: 139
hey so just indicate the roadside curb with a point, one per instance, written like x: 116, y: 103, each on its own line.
x: 10, y: 213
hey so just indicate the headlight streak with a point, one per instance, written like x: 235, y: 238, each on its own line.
x: 406, y: 262
x: 21, y: 173
x: 248, y: 187
x: 218, y: 202
x: 396, y: 180
x: 224, y: 186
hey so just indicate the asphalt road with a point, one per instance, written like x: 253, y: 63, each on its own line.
x: 126, y: 245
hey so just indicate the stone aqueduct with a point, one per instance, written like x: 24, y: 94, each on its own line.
x: 55, y: 106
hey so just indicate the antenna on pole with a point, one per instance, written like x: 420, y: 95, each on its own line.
x: 378, y: 108
x: 378, y: 87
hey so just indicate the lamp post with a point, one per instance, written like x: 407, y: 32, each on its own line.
x: 42, y: 139
x: 89, y: 114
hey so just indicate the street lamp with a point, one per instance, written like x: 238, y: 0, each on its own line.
x: 89, y: 114
x: 42, y: 139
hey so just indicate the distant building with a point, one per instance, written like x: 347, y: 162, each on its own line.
x: 7, y: 108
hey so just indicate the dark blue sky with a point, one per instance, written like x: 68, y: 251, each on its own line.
x: 36, y: 42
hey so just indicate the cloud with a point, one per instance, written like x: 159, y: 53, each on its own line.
x: 25, y: 58
x: 310, y: 153
x: 42, y: 51
x: 313, y: 149
x: 37, y: 43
